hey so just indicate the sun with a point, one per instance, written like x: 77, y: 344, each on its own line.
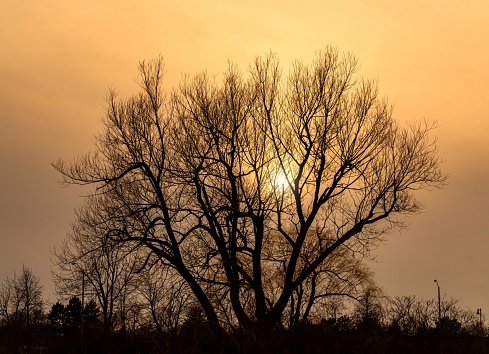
x: 281, y: 182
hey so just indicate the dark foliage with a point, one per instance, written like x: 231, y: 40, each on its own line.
x: 343, y: 335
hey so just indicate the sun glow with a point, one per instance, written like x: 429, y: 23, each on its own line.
x: 281, y: 182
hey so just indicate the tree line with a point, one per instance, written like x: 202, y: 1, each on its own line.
x: 159, y: 320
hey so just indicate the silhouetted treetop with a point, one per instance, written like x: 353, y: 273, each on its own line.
x: 248, y: 186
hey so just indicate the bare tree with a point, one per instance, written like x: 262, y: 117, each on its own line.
x: 233, y: 184
x: 414, y: 316
x: 165, y: 298
x: 21, y: 303
x: 369, y: 310
x: 87, y: 266
x: 339, y: 276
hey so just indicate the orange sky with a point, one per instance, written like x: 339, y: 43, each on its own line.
x: 431, y: 57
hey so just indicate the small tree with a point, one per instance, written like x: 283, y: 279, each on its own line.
x: 370, y: 310
x: 340, y: 278
x: 414, y: 316
x: 73, y: 314
x: 88, y: 265
x: 57, y: 316
x: 165, y: 298
x: 21, y: 303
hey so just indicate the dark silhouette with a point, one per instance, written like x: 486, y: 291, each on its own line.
x: 248, y: 187
x: 375, y: 324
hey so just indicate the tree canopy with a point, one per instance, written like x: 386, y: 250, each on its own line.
x: 248, y: 187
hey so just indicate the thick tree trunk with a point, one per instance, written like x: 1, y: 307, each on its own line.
x: 203, y: 300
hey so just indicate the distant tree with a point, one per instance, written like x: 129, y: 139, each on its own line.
x: 403, y: 311
x: 165, y: 298
x: 72, y: 317
x: 57, y: 316
x: 86, y: 263
x: 91, y: 316
x: 369, y: 310
x: 73, y: 314
x: 415, y: 316
x: 21, y: 303
x: 340, y: 278
x: 449, y: 326
x: 246, y: 188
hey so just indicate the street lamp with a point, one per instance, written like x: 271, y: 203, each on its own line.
x: 479, y: 312
x: 439, y: 303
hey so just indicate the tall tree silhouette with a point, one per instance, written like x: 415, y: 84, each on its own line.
x: 246, y: 186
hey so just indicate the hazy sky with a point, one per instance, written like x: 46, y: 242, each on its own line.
x: 431, y: 58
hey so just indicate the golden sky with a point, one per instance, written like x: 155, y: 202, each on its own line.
x: 430, y: 57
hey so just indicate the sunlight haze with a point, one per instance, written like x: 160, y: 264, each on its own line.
x: 430, y: 59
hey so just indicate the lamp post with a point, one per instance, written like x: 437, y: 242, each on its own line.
x: 439, y: 303
x: 479, y: 312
